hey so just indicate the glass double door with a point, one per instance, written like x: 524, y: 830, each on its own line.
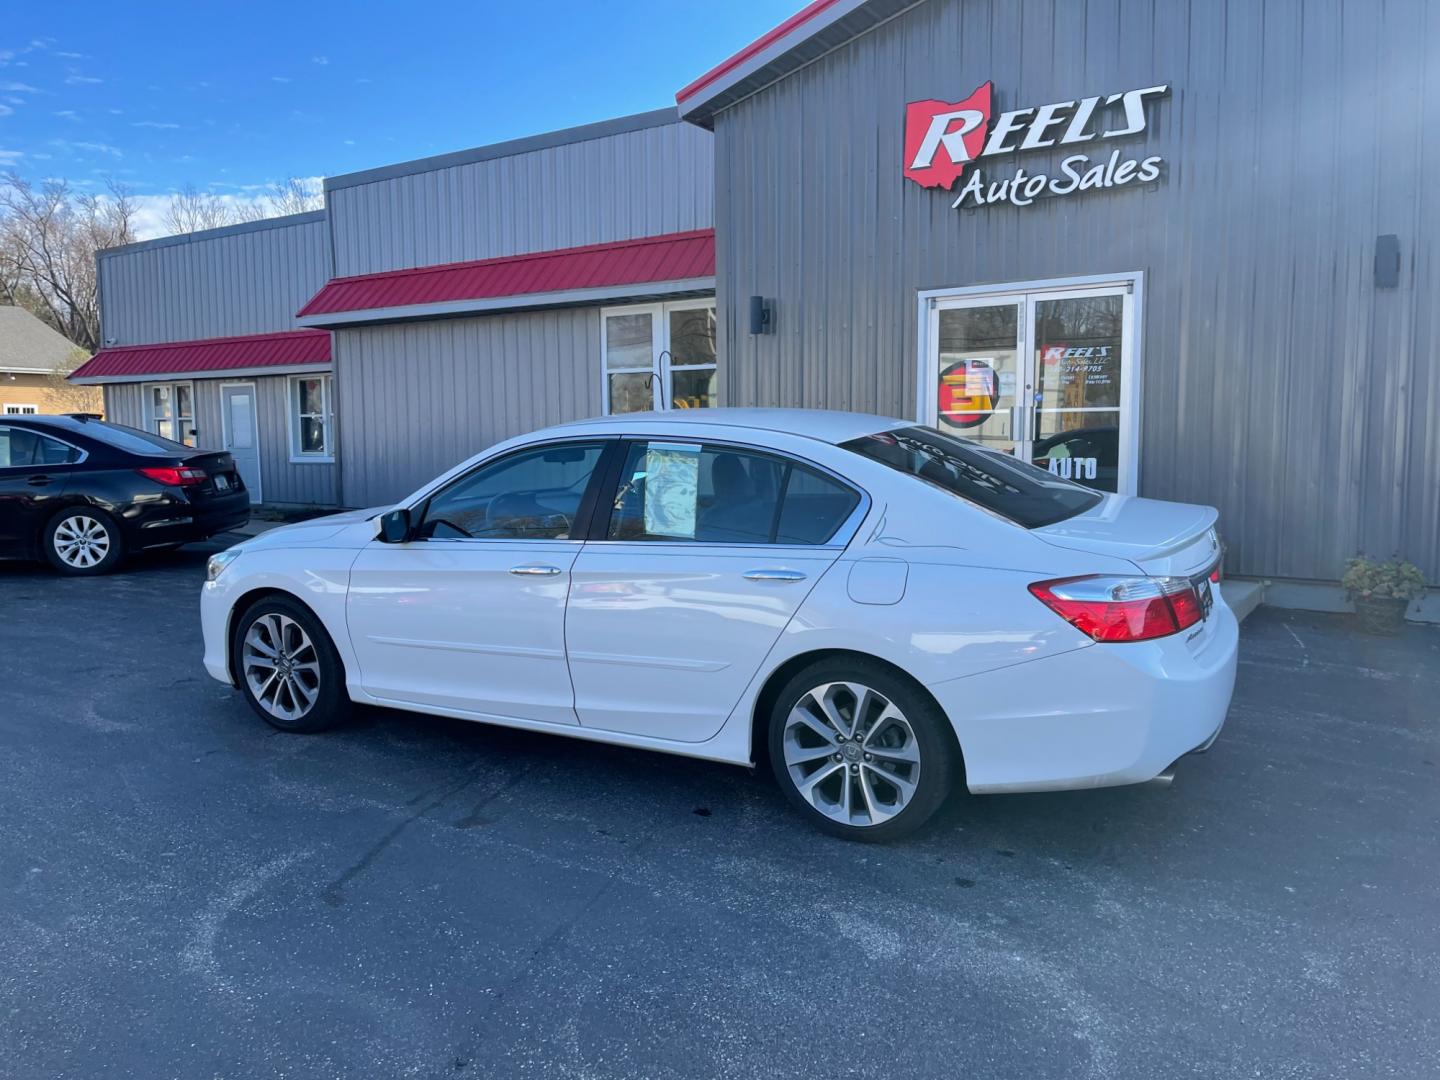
x: 1041, y: 374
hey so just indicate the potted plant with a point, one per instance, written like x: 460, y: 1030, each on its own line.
x: 1381, y: 592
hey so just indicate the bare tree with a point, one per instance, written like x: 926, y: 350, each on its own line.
x: 293, y: 195
x: 63, y: 396
x: 192, y: 210
x: 48, y: 239
x: 296, y: 196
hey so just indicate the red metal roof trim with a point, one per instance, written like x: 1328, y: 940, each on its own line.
x: 671, y: 257
x: 804, y: 15
x: 287, y: 349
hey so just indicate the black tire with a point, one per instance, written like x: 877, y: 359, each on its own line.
x: 331, y: 702
x: 79, y: 534
x: 922, y: 731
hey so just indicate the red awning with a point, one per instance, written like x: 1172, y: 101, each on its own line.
x: 674, y: 257
x: 292, y: 348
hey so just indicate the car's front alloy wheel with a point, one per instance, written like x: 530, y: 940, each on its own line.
x: 287, y: 666
x: 860, y: 750
x: 281, y: 667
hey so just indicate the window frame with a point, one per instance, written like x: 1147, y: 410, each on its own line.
x: 294, y: 418
x: 840, y: 539
x: 147, y: 409
x: 20, y: 408
x: 661, y: 369
x: 584, y: 514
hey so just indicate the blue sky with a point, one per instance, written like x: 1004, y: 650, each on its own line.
x: 232, y: 97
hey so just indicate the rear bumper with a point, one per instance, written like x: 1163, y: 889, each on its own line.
x: 1099, y: 716
x: 177, y: 522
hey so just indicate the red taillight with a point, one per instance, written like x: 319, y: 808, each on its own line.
x: 1215, y: 575
x: 173, y: 476
x: 1122, y: 608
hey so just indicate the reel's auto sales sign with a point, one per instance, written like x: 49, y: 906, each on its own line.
x: 944, y: 139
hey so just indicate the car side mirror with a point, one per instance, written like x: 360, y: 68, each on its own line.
x: 395, y: 526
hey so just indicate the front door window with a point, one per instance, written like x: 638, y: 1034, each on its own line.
x: 1041, y: 374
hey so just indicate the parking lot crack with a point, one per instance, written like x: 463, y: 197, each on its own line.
x: 334, y: 893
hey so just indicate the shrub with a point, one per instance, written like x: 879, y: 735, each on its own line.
x: 1391, y: 580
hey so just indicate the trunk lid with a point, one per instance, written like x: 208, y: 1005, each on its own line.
x: 221, y: 477
x: 1161, y: 538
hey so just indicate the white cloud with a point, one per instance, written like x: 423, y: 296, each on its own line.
x: 163, y: 124
x: 116, y: 112
x: 71, y: 55
x: 363, y: 80
x: 5, y: 110
x: 18, y: 88
x: 150, y: 209
x: 77, y: 147
x: 349, y: 142
x: 68, y: 114
x: 9, y: 157
x: 82, y: 80
x: 280, y: 78
x: 321, y: 60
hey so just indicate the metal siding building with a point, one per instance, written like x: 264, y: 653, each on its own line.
x: 230, y: 285
x: 1278, y: 382
x: 1224, y: 331
x: 242, y: 279
x: 617, y: 180
x: 419, y: 397
x: 417, y: 392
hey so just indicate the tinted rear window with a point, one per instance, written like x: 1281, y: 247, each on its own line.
x: 133, y: 440
x: 1011, y: 488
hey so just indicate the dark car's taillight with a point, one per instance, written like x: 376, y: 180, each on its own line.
x: 1118, y: 609
x: 174, y: 476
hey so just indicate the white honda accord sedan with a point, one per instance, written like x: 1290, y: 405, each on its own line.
x: 877, y: 608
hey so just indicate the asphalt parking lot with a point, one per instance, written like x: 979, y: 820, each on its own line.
x: 185, y: 893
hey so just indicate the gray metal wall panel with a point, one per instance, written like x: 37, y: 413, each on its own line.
x: 281, y: 481
x: 416, y: 398
x: 248, y: 282
x: 123, y: 404
x: 639, y: 183
x: 1279, y: 384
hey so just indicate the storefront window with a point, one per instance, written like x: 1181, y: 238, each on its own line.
x: 660, y: 356
x: 1077, y: 372
x: 170, y: 411
x: 1040, y: 374
x: 311, y: 419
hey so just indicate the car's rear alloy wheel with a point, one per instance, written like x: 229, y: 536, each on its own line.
x: 288, y: 668
x: 861, y: 751
x: 84, y: 541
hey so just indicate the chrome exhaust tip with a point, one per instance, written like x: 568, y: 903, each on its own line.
x: 1163, y: 780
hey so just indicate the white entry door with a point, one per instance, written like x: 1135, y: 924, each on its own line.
x: 242, y: 434
x: 1046, y: 373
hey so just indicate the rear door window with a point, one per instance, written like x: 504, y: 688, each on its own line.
x: 713, y: 494
x: 998, y: 482
x: 21, y: 448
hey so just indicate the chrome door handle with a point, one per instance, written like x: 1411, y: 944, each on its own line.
x: 532, y: 570
x: 774, y: 575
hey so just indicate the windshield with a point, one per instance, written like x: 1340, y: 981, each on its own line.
x: 133, y: 439
x: 1011, y: 488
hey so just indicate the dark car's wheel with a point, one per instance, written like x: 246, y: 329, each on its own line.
x: 83, y: 540
x: 287, y: 667
x: 861, y: 751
